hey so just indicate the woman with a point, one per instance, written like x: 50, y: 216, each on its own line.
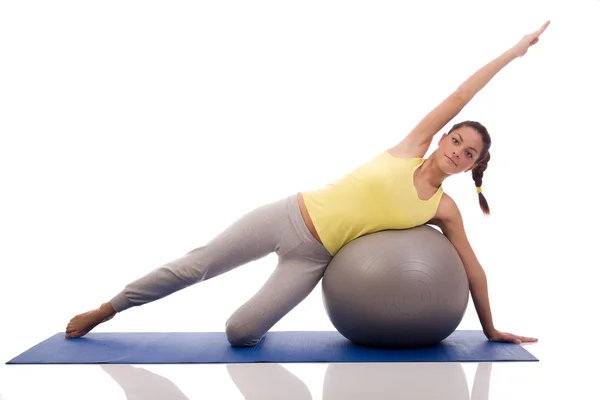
x: 307, y: 229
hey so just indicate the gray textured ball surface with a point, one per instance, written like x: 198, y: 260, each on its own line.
x: 396, y: 288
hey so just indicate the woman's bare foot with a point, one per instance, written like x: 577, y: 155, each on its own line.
x: 81, y: 324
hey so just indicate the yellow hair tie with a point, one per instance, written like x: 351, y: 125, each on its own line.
x: 478, y: 190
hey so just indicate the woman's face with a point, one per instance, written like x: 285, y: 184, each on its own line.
x: 458, y: 151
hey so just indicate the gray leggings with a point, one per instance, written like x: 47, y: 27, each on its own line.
x: 276, y: 227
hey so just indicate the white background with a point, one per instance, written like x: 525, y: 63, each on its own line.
x: 133, y: 132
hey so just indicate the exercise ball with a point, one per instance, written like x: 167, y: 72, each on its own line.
x: 396, y: 288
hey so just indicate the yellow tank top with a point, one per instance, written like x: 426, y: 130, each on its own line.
x: 378, y: 195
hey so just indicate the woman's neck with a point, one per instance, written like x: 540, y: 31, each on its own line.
x: 430, y: 173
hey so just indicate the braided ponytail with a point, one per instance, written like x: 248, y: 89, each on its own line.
x: 477, y: 173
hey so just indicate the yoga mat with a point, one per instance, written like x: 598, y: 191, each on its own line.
x: 276, y: 347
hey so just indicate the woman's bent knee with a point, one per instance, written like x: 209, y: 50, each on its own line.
x: 242, y: 335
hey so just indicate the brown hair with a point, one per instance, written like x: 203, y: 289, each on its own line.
x: 482, y: 160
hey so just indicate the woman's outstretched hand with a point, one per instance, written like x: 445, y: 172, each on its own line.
x: 520, y: 49
x: 498, y: 336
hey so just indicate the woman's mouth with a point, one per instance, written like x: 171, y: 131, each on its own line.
x: 451, y: 161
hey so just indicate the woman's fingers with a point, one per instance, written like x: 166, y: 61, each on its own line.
x: 536, y: 34
x: 543, y: 28
x: 522, y: 339
x: 527, y: 339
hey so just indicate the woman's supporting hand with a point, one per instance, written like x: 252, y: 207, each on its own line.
x: 520, y: 49
x: 497, y: 336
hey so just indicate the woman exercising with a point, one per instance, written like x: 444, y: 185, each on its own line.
x: 307, y: 229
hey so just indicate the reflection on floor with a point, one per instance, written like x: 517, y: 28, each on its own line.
x: 342, y: 381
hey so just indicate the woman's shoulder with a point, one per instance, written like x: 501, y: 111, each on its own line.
x: 447, y: 213
x: 447, y: 208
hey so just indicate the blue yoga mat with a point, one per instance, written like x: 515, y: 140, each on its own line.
x: 276, y: 347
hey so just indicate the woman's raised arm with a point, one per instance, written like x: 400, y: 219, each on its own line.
x: 434, y: 121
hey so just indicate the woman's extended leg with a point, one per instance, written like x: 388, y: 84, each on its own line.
x: 260, y: 232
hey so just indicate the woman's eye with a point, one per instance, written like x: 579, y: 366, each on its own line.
x: 454, y: 140
x: 469, y: 155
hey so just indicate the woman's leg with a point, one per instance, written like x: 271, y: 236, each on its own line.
x: 292, y: 281
x: 260, y: 232
x: 296, y: 275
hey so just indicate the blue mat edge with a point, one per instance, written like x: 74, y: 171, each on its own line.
x: 529, y: 357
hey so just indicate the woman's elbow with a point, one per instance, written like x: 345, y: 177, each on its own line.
x: 477, y: 277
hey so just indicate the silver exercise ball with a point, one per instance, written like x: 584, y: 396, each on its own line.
x: 396, y: 288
